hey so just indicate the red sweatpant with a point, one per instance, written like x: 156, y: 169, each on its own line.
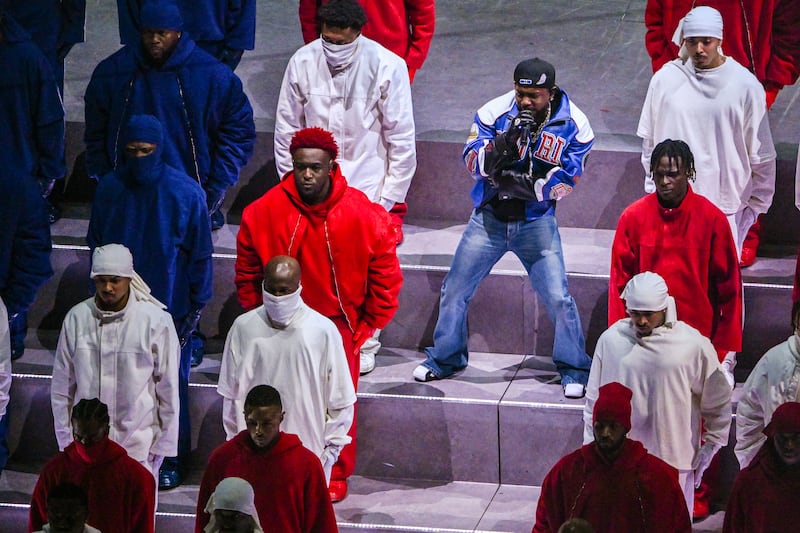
x: 344, y: 467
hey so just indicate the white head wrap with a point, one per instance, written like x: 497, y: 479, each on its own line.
x: 116, y: 260
x: 232, y: 494
x: 702, y: 21
x: 648, y: 292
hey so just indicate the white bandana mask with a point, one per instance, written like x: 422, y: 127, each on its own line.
x: 281, y: 309
x: 339, y: 56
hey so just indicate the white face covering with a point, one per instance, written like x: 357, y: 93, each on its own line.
x: 281, y: 309
x: 339, y: 56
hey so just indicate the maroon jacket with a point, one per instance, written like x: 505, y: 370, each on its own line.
x: 637, y: 493
x: 291, y: 495
x: 764, y: 496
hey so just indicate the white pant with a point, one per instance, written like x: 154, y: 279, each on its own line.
x: 373, y: 344
x: 740, y: 224
x: 686, y: 482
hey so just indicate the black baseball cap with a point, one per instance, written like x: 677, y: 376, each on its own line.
x: 535, y: 73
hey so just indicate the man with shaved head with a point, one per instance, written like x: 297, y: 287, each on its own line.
x: 286, y: 344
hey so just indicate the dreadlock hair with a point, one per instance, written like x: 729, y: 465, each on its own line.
x: 314, y: 138
x: 796, y: 316
x: 342, y: 14
x: 262, y: 396
x: 69, y: 491
x: 92, y: 409
x: 675, y: 151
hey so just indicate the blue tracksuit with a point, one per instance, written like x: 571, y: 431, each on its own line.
x: 212, y: 23
x: 52, y: 24
x: 207, y: 118
x: 162, y: 219
x: 31, y: 113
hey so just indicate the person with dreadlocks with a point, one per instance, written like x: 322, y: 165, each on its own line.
x: 120, y: 346
x: 345, y: 246
x: 121, y: 492
x: 686, y: 239
x: 612, y: 481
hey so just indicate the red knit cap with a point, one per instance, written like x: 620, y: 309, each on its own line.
x: 614, y: 403
x: 314, y: 138
x: 785, y: 419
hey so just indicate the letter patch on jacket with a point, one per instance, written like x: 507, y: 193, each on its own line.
x: 550, y: 148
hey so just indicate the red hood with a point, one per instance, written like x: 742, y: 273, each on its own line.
x: 112, y: 452
x: 319, y: 211
x: 286, y: 442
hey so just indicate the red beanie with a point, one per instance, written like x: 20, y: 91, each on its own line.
x: 785, y: 419
x: 314, y: 138
x: 614, y: 403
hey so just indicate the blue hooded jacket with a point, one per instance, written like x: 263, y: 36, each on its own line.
x: 51, y: 23
x: 160, y: 214
x: 31, y: 112
x: 24, y: 242
x: 207, y: 118
x: 223, y: 23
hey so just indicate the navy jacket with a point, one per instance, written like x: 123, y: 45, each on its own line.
x: 24, y: 242
x: 162, y: 219
x: 207, y: 118
x: 31, y: 113
x: 228, y: 23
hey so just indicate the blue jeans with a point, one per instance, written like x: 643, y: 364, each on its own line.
x: 538, y: 245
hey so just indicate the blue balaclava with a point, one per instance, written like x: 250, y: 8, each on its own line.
x: 147, y: 169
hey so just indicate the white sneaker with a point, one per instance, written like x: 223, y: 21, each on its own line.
x: 574, y: 390
x: 424, y: 374
x: 367, y: 362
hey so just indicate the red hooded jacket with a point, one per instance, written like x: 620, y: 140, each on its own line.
x: 346, y: 247
x: 121, y: 491
x: 764, y: 496
x: 637, y: 493
x: 291, y: 495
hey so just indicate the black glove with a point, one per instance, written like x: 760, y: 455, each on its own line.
x: 214, y: 200
x: 46, y: 186
x: 231, y: 57
x: 188, y: 325
x: 63, y: 50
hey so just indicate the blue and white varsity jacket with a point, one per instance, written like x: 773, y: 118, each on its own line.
x: 559, y: 153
